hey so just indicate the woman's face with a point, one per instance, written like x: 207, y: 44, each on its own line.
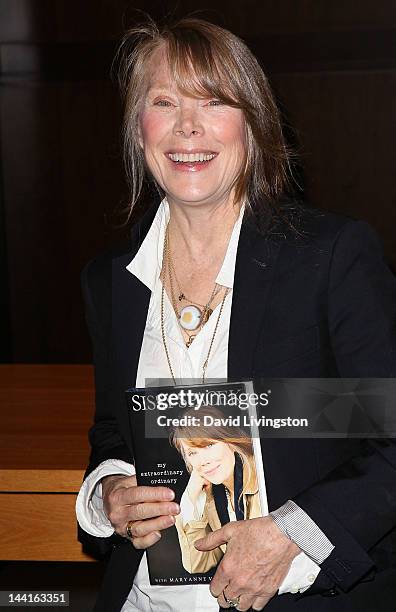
x: 194, y: 147
x: 214, y: 462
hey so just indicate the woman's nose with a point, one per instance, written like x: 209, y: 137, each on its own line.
x: 188, y: 124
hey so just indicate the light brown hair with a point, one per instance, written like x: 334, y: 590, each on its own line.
x: 207, y: 60
x: 200, y: 435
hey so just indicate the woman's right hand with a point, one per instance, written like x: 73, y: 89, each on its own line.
x: 150, y: 509
x: 196, y: 485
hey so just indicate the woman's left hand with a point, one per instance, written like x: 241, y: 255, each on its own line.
x: 262, y: 549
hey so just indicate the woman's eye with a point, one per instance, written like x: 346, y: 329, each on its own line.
x: 215, y: 103
x: 163, y: 103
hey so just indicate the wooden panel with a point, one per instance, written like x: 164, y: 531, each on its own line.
x: 41, y: 481
x: 65, y: 21
x: 346, y: 129
x: 324, y: 51
x: 278, y: 52
x: 252, y: 18
x: 57, y: 61
x: 93, y: 20
x: 56, y: 206
x: 39, y: 527
x: 43, y: 376
x: 46, y: 414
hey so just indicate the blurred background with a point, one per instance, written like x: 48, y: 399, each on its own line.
x: 331, y: 64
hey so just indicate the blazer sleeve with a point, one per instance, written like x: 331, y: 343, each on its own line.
x: 104, y: 435
x: 355, y: 505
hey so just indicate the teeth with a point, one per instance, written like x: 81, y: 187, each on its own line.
x: 191, y: 157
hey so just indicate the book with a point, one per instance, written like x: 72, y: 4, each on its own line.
x: 200, y: 441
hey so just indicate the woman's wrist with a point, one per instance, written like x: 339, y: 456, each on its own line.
x: 194, y: 493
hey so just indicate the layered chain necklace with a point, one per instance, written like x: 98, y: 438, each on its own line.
x: 191, y: 317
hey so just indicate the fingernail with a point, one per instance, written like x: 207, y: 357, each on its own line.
x: 158, y: 535
x: 170, y: 494
x: 175, y: 508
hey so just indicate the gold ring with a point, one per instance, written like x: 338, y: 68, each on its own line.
x: 128, y: 530
x: 233, y: 603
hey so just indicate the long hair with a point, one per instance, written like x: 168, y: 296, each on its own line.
x: 207, y: 60
x: 201, y: 434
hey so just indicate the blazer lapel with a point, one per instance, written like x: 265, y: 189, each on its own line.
x: 130, y: 301
x: 254, y: 272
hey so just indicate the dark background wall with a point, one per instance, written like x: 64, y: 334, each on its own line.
x: 333, y: 68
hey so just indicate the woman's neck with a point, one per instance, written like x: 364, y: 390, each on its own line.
x: 201, y: 234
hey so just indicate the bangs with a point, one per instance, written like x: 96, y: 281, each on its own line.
x: 194, y: 69
x: 198, y: 442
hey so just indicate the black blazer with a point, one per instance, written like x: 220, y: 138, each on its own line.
x: 319, y: 302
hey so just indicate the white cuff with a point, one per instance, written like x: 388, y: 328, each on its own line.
x: 89, y: 503
x: 302, y: 574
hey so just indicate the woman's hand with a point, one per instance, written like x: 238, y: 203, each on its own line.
x: 150, y: 508
x: 266, y: 553
x: 196, y: 485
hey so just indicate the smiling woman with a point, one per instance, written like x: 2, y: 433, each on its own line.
x: 229, y: 276
x: 194, y: 147
x: 201, y: 67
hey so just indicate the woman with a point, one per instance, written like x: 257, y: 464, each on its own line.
x: 222, y: 486
x: 223, y: 278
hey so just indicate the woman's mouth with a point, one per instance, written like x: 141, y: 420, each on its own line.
x: 211, y: 472
x: 190, y: 162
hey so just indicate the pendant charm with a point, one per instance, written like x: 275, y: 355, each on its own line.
x: 190, y: 317
x: 190, y: 341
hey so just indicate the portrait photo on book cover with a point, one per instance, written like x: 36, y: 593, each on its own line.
x: 222, y: 486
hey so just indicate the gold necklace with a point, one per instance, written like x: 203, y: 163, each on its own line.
x: 204, y: 315
x: 182, y: 295
x: 190, y: 318
x: 205, y: 364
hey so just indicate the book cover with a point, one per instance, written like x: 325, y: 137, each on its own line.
x: 199, y: 441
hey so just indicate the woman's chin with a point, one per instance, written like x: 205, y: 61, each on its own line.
x: 191, y: 197
x: 216, y: 481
